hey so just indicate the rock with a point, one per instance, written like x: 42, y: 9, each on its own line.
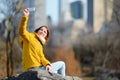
x: 108, y: 75
x: 41, y: 75
x: 72, y: 78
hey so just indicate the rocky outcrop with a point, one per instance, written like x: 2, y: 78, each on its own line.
x: 41, y: 75
x: 108, y: 75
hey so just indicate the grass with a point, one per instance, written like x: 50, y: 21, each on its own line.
x: 88, y: 78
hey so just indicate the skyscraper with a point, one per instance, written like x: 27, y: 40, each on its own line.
x: 64, y: 10
x: 77, y: 9
x: 90, y: 13
x: 40, y: 13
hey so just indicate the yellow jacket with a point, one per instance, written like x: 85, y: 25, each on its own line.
x: 32, y: 49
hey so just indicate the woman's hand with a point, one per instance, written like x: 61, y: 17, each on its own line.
x: 26, y: 12
x: 48, y: 68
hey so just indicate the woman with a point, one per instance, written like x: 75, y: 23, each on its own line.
x: 32, y: 48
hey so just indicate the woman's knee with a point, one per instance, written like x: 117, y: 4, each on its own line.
x: 61, y: 62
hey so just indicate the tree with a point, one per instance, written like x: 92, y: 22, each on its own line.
x: 9, y: 9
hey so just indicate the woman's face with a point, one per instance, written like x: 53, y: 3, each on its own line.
x: 42, y: 32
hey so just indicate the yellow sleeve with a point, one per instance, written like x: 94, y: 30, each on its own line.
x: 44, y: 60
x: 22, y: 28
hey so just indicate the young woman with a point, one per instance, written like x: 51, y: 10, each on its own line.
x: 32, y: 48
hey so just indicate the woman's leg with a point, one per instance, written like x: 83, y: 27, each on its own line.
x: 58, y: 67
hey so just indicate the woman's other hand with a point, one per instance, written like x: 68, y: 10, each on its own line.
x: 26, y: 12
x: 48, y: 68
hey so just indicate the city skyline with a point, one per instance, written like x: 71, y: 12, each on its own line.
x: 52, y: 9
x: 53, y: 6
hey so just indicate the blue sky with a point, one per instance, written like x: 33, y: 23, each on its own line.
x: 52, y: 9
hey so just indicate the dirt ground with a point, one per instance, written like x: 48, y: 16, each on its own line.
x: 2, y: 59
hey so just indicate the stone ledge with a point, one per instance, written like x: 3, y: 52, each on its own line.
x: 41, y: 75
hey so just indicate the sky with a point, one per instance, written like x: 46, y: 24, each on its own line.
x: 52, y: 9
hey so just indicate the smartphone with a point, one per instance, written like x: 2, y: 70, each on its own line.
x: 31, y: 9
